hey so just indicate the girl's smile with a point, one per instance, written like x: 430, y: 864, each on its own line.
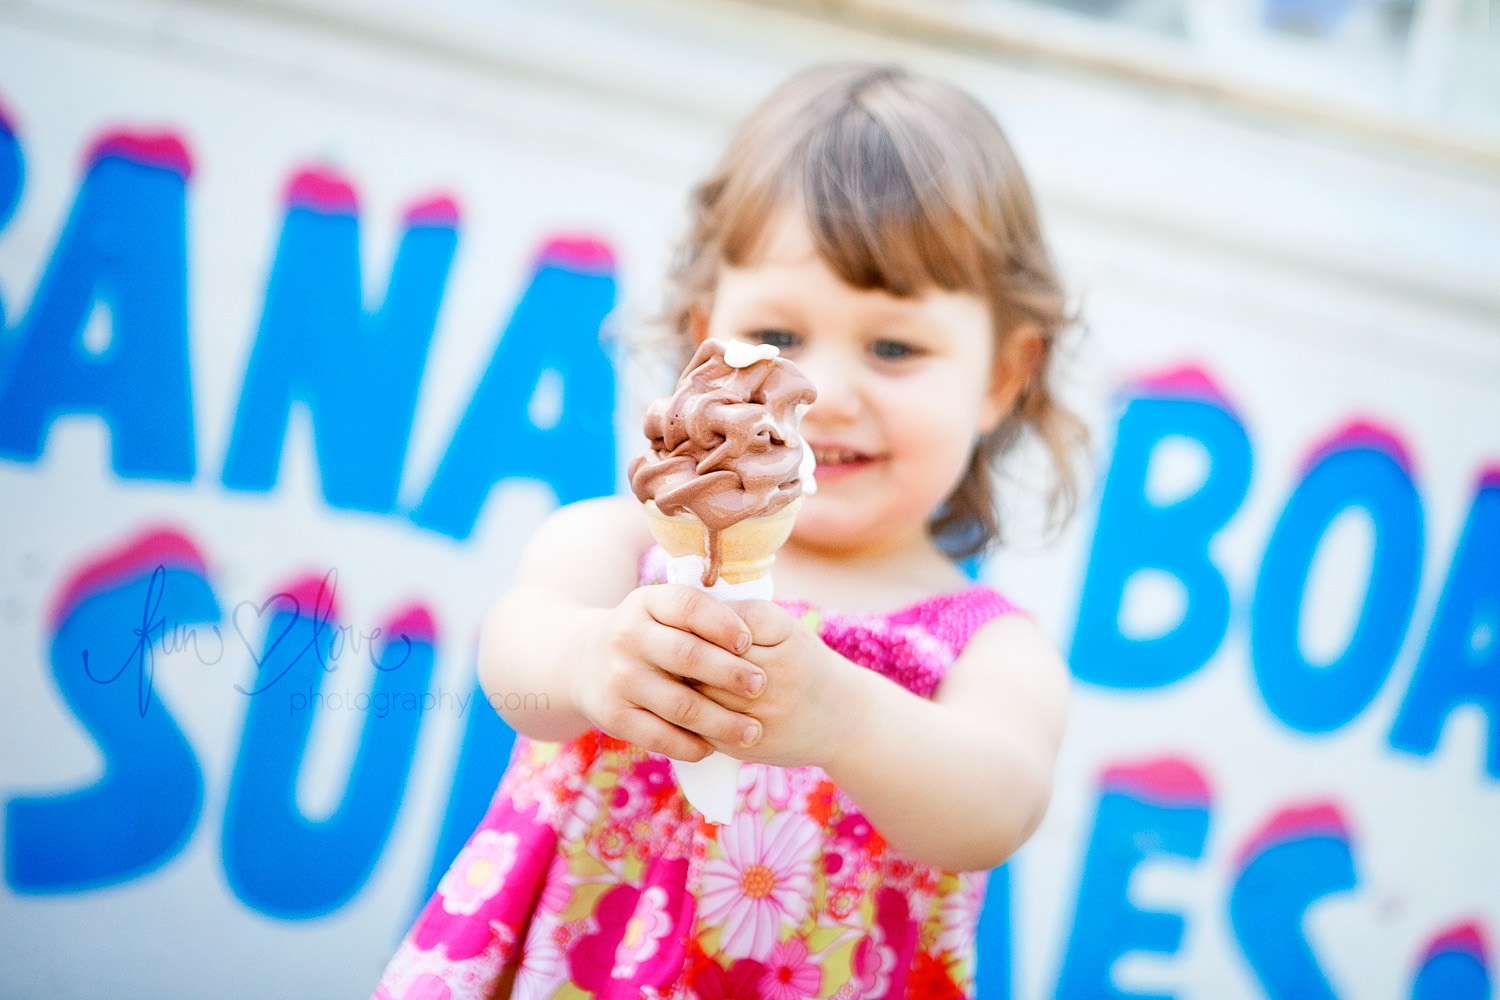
x: 836, y: 461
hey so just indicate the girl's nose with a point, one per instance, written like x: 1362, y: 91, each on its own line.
x: 838, y: 391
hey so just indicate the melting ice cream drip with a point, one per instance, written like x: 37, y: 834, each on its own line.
x: 738, y: 354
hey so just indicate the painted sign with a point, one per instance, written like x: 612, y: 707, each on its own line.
x: 341, y: 349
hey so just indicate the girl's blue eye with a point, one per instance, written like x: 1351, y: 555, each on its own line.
x: 782, y: 340
x: 893, y: 350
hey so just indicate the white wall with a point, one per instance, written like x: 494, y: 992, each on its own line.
x: 1315, y: 279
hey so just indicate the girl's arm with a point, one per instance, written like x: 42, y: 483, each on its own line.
x: 959, y: 782
x: 575, y: 644
x: 962, y: 781
x: 579, y: 563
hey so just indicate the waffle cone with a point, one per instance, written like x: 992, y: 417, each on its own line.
x: 747, y: 549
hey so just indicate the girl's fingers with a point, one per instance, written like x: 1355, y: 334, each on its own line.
x: 769, y: 625
x: 729, y: 700
x: 650, y: 732
x: 693, y: 611
x: 684, y: 707
x: 689, y: 657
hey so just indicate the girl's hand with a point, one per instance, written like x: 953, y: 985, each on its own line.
x: 637, y: 681
x: 803, y: 708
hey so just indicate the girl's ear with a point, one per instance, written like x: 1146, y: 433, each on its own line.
x: 1018, y: 360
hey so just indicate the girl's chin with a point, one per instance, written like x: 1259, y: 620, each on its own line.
x: 828, y: 523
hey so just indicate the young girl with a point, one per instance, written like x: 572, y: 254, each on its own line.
x: 899, y: 724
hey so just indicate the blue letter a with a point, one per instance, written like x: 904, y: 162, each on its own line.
x: 125, y: 248
x: 545, y: 407
x: 1460, y: 665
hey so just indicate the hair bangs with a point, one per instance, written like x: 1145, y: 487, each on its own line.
x: 881, y: 214
x: 878, y: 214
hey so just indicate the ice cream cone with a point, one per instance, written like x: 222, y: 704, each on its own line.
x: 746, y: 549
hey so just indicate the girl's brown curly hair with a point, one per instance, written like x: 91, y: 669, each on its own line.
x: 906, y: 182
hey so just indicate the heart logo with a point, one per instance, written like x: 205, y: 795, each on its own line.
x: 270, y: 604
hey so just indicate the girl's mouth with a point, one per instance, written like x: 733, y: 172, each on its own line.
x: 836, y: 461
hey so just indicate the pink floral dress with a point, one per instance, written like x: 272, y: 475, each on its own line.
x: 593, y: 871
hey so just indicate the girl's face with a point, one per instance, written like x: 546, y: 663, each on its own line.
x: 905, y: 385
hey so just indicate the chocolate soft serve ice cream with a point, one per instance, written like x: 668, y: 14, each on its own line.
x: 726, y: 452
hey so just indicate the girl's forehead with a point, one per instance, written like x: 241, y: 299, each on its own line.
x: 785, y: 240
x: 785, y: 249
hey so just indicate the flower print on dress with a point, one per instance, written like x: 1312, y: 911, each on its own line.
x: 653, y: 774
x: 424, y: 987
x: 915, y: 880
x: 932, y: 979
x: 531, y: 778
x: 665, y: 834
x: 557, y: 888
x: 478, y: 871
x: 763, y: 880
x: 625, y: 955
x: 893, y: 932
x: 490, y: 884
x: 763, y: 784
x: 612, y: 841
x: 643, y: 932
x: 789, y: 975
x: 850, y: 875
x: 906, y: 652
x: 646, y: 810
x: 843, y: 903
x: 958, y: 913
x: 819, y: 801
x: 645, y: 786
x: 856, y: 830
x: 544, y: 966
x: 578, y: 818
x: 592, y: 959
x: 502, y: 936
x: 874, y: 962
x: 741, y: 981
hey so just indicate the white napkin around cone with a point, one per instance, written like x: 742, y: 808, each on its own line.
x: 712, y: 784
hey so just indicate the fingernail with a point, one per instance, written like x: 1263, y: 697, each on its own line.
x: 752, y: 734
x: 756, y: 680
x: 743, y: 644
